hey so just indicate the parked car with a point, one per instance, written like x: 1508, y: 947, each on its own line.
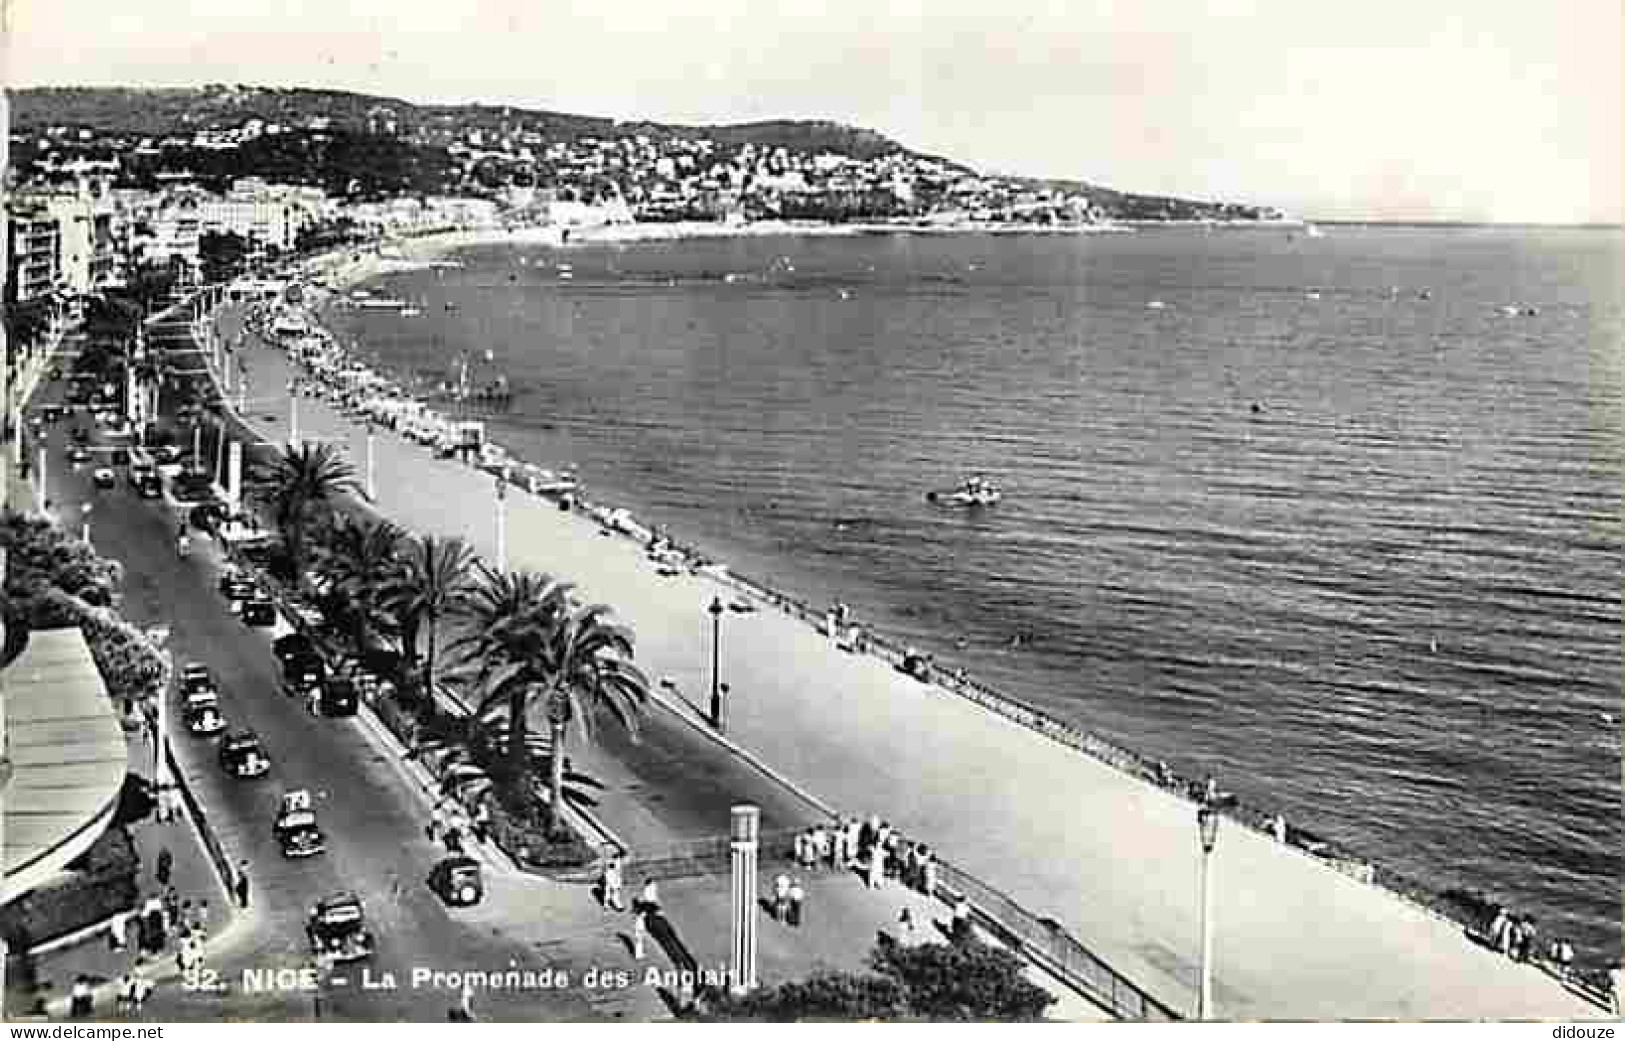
x: 337, y: 929
x: 458, y: 880
x: 242, y: 755
x: 201, y: 713
x: 302, y: 671
x: 149, y: 487
x: 121, y: 457
x: 340, y: 697
x: 78, y: 454
x: 259, y: 612
x: 195, y: 677
x: 295, y: 644
x: 104, y: 477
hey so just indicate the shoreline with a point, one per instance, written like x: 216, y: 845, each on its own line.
x: 1454, y: 900
x: 864, y: 684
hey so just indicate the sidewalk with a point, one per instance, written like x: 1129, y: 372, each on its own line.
x: 194, y: 879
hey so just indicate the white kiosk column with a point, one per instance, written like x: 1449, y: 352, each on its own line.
x: 234, y: 477
x: 746, y: 831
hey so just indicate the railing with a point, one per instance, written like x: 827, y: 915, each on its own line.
x: 1046, y: 942
x: 707, y: 856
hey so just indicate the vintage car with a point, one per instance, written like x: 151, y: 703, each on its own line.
x: 458, y: 880
x: 241, y: 755
x: 302, y: 671
x: 149, y: 487
x: 259, y: 612
x: 195, y: 676
x: 201, y: 712
x: 295, y: 828
x: 104, y: 477
x: 78, y: 454
x: 340, y: 696
x: 292, y: 645
x: 337, y: 929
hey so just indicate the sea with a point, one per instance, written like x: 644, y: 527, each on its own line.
x: 1336, y: 519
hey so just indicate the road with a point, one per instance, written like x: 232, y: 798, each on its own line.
x: 372, y: 818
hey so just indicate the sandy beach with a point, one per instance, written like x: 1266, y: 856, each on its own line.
x: 1116, y: 861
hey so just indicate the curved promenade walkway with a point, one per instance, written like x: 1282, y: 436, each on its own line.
x: 1114, y: 859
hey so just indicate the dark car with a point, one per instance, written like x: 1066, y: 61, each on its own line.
x: 303, y: 670
x: 78, y: 454
x: 291, y: 646
x: 196, y: 677
x: 149, y: 487
x: 259, y: 613
x: 121, y: 457
x: 296, y: 832
x: 239, y: 589
x: 242, y: 755
x: 104, y: 477
x: 207, y: 517
x: 340, y: 697
x: 201, y: 713
x: 458, y: 880
x: 337, y: 929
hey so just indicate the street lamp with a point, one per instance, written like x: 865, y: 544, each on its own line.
x: 1207, y: 827
x: 293, y: 413
x: 84, y: 512
x: 716, y: 661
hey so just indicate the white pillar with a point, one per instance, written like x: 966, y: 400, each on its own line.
x: 745, y: 831
x: 372, y: 472
x: 1205, y: 1007
x: 293, y: 417
x: 39, y: 483
x: 234, y: 476
x: 502, y: 523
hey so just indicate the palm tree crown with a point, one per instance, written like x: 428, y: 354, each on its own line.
x: 292, y: 484
x: 435, y: 582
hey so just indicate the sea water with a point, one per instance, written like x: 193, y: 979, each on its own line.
x: 1335, y: 519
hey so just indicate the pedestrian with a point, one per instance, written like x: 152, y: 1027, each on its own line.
x: 436, y: 824
x: 313, y: 699
x: 797, y: 897
x: 1616, y: 989
x: 124, y: 999
x: 928, y: 871
x: 837, y: 848
x: 454, y: 837
x: 482, y: 821
x: 172, y: 908
x: 199, y: 923
x: 466, y: 1004
x: 905, y: 924
x: 781, y: 898
x: 1526, y: 941
x: 877, y: 865
x: 140, y: 989
x: 961, y: 926
x: 614, y: 883
x: 650, y: 896
x: 118, y: 936
x: 1501, y: 931
x: 153, y: 930
x: 798, y: 852
x: 1562, y: 955
x: 81, y: 999
x: 640, y: 929
x: 171, y: 793
x: 242, y: 884
x: 1278, y: 828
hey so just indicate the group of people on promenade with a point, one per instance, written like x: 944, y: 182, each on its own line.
x: 1516, y: 936
x: 874, y: 847
x: 451, y: 821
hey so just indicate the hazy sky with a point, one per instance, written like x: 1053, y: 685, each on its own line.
x: 1445, y: 109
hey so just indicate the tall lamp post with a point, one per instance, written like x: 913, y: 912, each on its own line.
x: 1207, y: 826
x: 715, y: 610
x: 293, y: 413
x: 84, y: 512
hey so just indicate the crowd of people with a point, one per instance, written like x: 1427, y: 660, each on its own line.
x: 872, y: 847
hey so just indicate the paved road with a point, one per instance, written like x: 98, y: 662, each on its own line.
x: 1114, y: 858
x: 373, y: 821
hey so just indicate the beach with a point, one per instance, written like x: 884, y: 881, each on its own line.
x: 1118, y: 865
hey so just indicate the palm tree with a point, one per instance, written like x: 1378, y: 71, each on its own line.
x: 362, y: 564
x: 536, y: 645
x: 292, y: 484
x: 435, y: 582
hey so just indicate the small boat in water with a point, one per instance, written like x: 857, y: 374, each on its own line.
x: 410, y: 312
x: 974, y: 492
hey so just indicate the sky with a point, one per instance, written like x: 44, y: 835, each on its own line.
x: 1482, y: 110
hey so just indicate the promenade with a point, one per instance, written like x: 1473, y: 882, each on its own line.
x: 1114, y: 859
